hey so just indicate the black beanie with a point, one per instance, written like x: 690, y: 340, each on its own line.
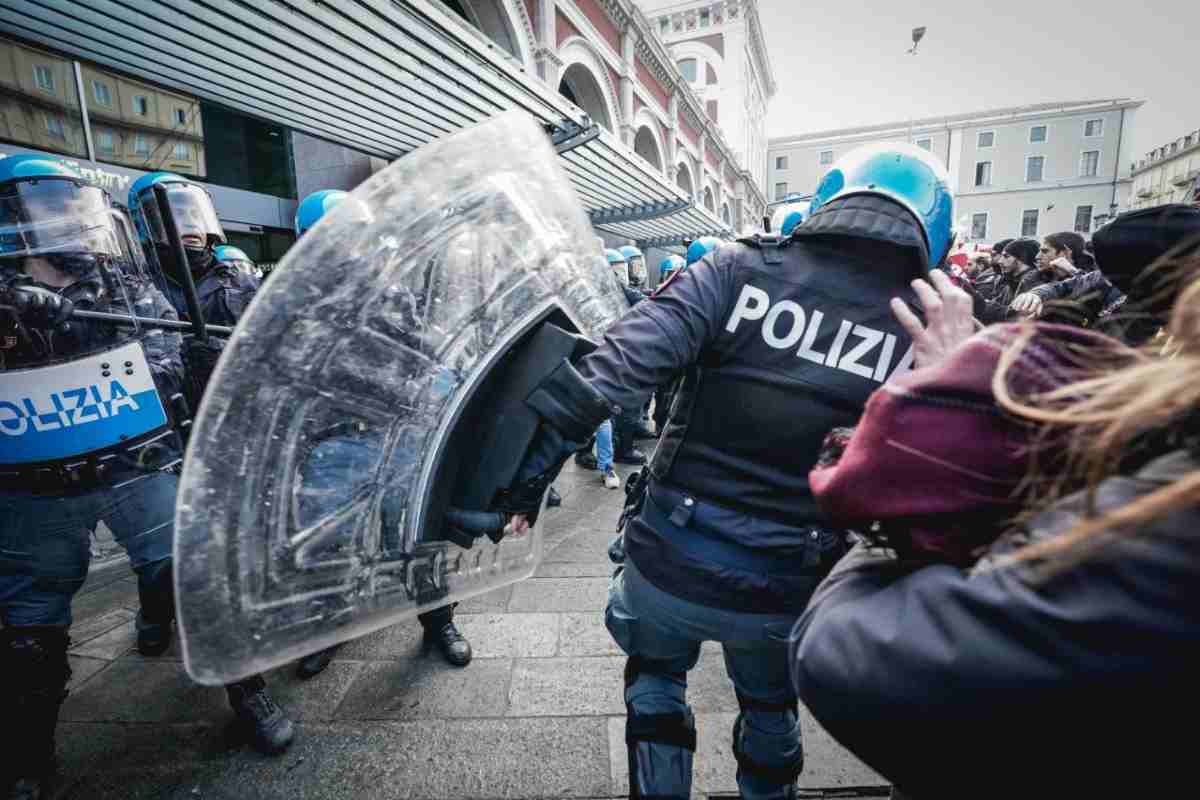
x: 999, y: 246
x: 1024, y: 250
x: 1136, y: 239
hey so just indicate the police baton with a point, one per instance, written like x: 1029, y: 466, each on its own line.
x: 185, y: 271
x: 147, y: 322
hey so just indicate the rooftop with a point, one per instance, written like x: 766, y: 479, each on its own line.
x: 951, y: 120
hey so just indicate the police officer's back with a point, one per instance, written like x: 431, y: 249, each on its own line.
x: 782, y: 340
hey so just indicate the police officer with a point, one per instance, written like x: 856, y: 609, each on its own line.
x: 235, y: 258
x: 342, y: 451
x: 637, y: 267
x: 668, y: 267
x: 224, y: 292
x: 627, y: 426
x: 782, y: 340
x: 84, y: 440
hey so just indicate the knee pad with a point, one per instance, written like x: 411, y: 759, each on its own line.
x: 33, y: 661
x: 766, y: 741
x: 660, y: 733
x: 156, y: 591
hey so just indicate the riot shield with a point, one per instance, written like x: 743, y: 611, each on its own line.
x: 345, y: 460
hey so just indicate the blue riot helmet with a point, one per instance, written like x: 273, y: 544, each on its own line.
x: 48, y: 210
x: 669, y: 266
x: 313, y: 207
x: 903, y: 173
x: 195, y: 216
x: 619, y: 265
x: 701, y: 247
x: 637, y: 266
x: 787, y: 217
x: 235, y: 258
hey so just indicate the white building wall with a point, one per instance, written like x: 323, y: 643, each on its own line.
x: 956, y: 142
x: 1168, y: 174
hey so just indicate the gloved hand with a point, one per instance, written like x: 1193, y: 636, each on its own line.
x: 39, y: 307
x: 543, y: 461
x: 199, y: 360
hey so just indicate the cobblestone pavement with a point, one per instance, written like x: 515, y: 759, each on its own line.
x: 538, y: 713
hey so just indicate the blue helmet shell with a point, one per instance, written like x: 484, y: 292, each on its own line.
x: 700, y: 248
x: 629, y: 252
x: 903, y: 173
x: 149, y: 179
x: 30, y: 165
x: 614, y: 256
x: 671, y: 263
x: 787, y: 217
x: 228, y: 253
x: 313, y: 207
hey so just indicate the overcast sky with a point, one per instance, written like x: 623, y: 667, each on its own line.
x: 841, y: 63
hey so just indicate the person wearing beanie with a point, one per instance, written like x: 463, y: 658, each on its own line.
x: 1019, y: 274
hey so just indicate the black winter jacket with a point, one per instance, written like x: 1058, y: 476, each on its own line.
x: 1005, y: 683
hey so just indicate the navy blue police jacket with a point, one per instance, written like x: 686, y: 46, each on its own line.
x: 223, y: 292
x: 780, y: 343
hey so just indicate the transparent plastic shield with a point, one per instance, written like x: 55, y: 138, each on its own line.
x: 311, y: 508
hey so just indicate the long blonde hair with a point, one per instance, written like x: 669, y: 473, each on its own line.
x: 1092, y: 423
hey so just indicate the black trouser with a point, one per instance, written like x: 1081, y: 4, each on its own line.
x: 434, y: 621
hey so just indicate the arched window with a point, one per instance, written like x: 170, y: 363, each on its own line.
x: 689, y: 68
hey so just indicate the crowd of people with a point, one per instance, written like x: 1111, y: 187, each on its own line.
x: 952, y: 511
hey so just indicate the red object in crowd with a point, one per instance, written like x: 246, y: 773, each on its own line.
x: 933, y: 460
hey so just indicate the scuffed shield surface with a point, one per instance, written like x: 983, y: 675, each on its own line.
x: 304, y: 509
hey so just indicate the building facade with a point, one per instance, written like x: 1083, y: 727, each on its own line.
x: 1168, y: 174
x: 720, y: 50
x: 1022, y: 171
x: 284, y: 109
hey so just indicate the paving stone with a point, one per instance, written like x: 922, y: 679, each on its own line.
x: 103, y: 761
x: 560, y: 594
x: 567, y: 687
x: 103, y: 575
x: 584, y: 634
x: 82, y: 669
x: 118, y: 594
x: 403, y: 640
x: 595, y: 569
x: 496, y: 600
x: 142, y: 690
x: 113, y: 644
x: 510, y: 635
x: 313, y: 699
x: 589, y: 546
x: 423, y: 760
x: 88, y: 629
x: 422, y: 688
x: 709, y: 686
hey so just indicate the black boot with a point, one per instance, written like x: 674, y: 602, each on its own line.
x: 35, y: 676
x: 269, y: 729
x: 454, y: 646
x: 315, y: 664
x: 154, y: 618
x: 553, y: 498
x: 586, y: 459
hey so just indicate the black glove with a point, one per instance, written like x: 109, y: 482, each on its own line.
x: 199, y: 360
x: 38, y: 307
x: 543, y: 461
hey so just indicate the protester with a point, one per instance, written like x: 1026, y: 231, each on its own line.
x: 1046, y: 668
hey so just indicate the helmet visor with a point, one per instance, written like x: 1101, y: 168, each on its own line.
x: 193, y: 211
x: 49, y: 216
x: 637, y: 269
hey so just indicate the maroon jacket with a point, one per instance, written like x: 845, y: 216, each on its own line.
x: 934, y: 465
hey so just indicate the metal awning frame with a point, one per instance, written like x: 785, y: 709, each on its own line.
x: 381, y: 76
